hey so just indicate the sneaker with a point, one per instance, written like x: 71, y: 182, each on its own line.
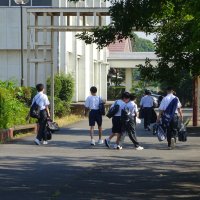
x: 115, y: 146
x: 92, y: 142
x: 37, y: 142
x: 169, y: 148
x: 45, y: 142
x: 107, y: 142
x: 119, y: 147
x: 100, y: 141
x: 139, y: 148
x: 172, y: 143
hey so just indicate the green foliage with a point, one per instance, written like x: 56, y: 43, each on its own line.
x: 62, y: 108
x: 9, y: 84
x: 24, y: 94
x: 12, y: 111
x: 142, y: 45
x: 67, y: 89
x: 169, y: 76
x: 177, y: 25
x: 57, y: 85
x: 115, y: 92
x: 64, y: 89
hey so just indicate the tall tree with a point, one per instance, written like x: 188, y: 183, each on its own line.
x: 176, y: 23
x: 142, y: 45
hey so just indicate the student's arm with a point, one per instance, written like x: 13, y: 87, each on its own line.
x: 180, y: 113
x: 47, y: 109
x: 159, y: 115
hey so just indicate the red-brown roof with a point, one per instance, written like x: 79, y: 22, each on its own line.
x: 123, y: 46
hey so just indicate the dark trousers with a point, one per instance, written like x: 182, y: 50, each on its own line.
x: 130, y: 130
x: 147, y: 116
x: 172, y: 129
x: 42, y: 126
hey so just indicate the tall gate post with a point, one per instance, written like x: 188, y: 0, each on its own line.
x: 196, y: 92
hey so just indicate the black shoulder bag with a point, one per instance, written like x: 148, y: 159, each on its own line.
x: 35, y: 110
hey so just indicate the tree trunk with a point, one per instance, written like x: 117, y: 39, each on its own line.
x: 196, y: 88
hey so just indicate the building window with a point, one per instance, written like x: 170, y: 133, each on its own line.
x: 4, y: 3
x: 14, y: 4
x: 41, y: 2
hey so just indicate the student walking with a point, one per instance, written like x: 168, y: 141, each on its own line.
x: 146, y: 104
x: 116, y: 121
x: 42, y: 101
x: 131, y: 123
x: 92, y: 105
x: 169, y: 109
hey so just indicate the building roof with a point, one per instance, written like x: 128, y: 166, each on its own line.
x: 122, y: 46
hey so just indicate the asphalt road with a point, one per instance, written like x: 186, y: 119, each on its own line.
x: 68, y: 168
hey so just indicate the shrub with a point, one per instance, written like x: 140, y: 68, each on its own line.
x: 24, y: 94
x: 64, y: 89
x: 12, y: 111
x: 61, y: 108
x: 57, y: 85
x: 67, y: 90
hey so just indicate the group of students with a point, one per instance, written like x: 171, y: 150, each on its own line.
x: 121, y: 127
x: 123, y: 121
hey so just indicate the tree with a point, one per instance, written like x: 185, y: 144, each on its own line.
x: 176, y: 23
x: 142, y: 45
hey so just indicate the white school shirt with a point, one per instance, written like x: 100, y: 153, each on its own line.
x: 132, y: 106
x: 146, y: 101
x: 92, y: 102
x: 121, y: 104
x: 41, y: 100
x: 166, y: 101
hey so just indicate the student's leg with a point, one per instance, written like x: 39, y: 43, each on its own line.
x: 92, y: 124
x: 42, y: 126
x: 122, y: 138
x: 172, y: 131
x: 132, y: 134
x: 145, y: 118
x: 92, y: 132
x: 149, y: 116
x: 99, y: 123
x: 100, y: 132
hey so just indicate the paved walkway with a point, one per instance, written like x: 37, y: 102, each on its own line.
x: 69, y: 168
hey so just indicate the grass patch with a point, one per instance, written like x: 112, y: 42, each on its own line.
x: 70, y: 119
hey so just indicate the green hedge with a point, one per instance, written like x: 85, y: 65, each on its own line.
x: 12, y: 111
x: 64, y: 90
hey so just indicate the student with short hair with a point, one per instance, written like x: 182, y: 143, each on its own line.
x: 175, y: 109
x: 132, y: 108
x: 92, y: 104
x: 42, y: 101
x: 146, y: 104
x: 116, y: 121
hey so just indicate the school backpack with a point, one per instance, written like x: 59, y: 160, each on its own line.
x: 113, y: 110
x: 168, y: 114
x: 35, y: 110
x: 101, y: 107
